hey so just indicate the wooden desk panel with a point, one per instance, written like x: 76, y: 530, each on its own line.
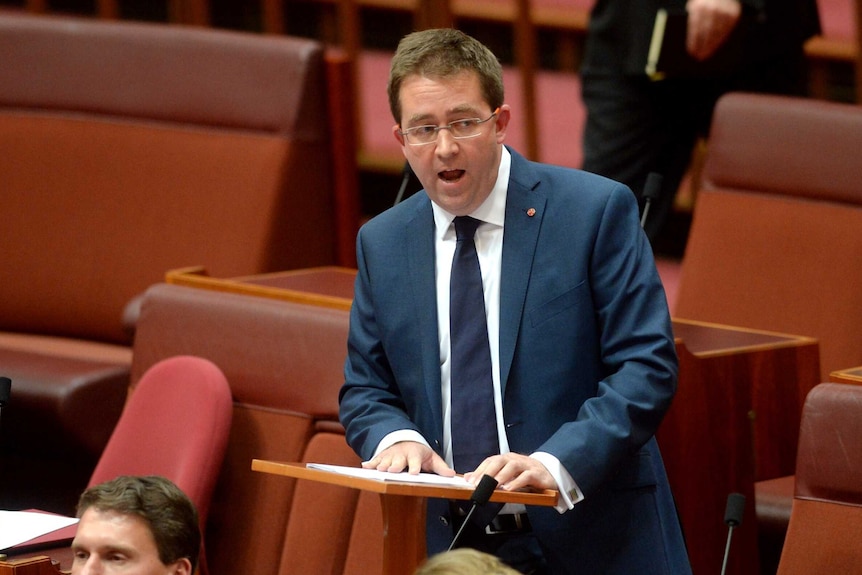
x: 734, y: 420
x: 40, y: 565
x: 403, y: 506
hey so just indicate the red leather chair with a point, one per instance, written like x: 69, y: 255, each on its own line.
x: 175, y: 424
x: 826, y: 519
x: 775, y: 245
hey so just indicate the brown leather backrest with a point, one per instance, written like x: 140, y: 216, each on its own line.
x: 284, y: 362
x: 275, y: 354
x: 775, y: 241
x: 797, y: 147
x: 174, y: 74
x: 826, y: 519
x: 321, y: 516
x: 129, y: 149
x: 829, y: 460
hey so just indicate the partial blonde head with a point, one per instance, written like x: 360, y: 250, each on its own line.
x: 464, y: 562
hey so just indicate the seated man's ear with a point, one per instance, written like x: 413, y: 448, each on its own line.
x: 181, y: 567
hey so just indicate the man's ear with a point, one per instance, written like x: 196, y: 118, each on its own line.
x: 396, y: 131
x: 182, y: 567
x: 502, y: 123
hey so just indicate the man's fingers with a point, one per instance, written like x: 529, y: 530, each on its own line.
x: 371, y: 463
x: 439, y: 466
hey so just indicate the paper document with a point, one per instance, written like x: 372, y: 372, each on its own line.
x: 430, y: 478
x: 17, y: 527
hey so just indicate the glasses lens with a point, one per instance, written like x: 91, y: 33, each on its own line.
x: 421, y: 134
x: 465, y: 128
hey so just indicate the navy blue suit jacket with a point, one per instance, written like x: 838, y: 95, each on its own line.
x: 587, y: 360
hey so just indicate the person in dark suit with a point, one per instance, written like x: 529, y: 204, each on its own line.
x: 583, y: 358
x: 636, y: 125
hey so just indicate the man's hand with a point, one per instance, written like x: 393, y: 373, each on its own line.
x: 710, y: 22
x: 514, y: 471
x: 410, y: 455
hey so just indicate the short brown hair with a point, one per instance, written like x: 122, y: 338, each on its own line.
x: 441, y: 53
x: 169, y: 513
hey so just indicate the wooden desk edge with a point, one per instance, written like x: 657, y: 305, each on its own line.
x: 547, y: 498
x: 196, y: 277
x: 786, y: 340
x: 30, y: 564
x: 852, y: 375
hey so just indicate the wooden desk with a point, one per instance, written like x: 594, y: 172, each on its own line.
x: 43, y: 561
x: 39, y: 565
x: 329, y: 286
x: 48, y: 554
x: 851, y: 375
x: 735, y: 418
x: 403, y: 507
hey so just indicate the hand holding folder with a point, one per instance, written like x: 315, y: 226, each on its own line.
x: 669, y: 54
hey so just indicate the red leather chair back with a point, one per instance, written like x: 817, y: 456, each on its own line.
x: 823, y: 535
x: 175, y: 424
x: 774, y: 241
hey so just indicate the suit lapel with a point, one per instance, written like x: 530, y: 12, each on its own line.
x: 525, y: 206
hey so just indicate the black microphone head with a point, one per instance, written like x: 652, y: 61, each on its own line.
x: 735, y: 508
x: 652, y: 186
x: 5, y: 390
x: 484, y: 490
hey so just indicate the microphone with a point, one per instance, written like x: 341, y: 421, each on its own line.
x: 652, y: 190
x: 5, y: 391
x: 479, y: 497
x: 733, y: 518
x: 405, y: 178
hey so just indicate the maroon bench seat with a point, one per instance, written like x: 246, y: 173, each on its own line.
x: 127, y: 150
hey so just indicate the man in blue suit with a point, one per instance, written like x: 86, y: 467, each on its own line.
x: 582, y: 354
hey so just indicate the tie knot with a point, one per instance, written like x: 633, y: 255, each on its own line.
x: 465, y: 227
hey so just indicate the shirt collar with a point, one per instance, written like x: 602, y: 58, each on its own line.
x: 492, y: 210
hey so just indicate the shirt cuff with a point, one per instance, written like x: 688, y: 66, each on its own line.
x: 570, y: 493
x: 399, y: 436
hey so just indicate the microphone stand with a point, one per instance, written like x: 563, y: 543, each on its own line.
x: 733, y: 518
x: 5, y: 391
x: 479, y: 497
x: 652, y: 190
x: 405, y: 178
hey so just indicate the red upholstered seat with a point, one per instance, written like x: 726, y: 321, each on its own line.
x: 284, y: 362
x: 774, y: 242
x: 838, y: 43
x: 836, y: 19
x: 826, y: 521
x: 172, y: 146
x: 175, y: 424
x: 322, y: 516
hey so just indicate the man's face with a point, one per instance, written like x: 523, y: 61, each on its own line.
x: 109, y: 543
x: 457, y: 174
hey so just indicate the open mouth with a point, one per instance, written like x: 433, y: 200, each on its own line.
x: 450, y: 175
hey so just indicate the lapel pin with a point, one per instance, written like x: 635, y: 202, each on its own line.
x: 531, y: 212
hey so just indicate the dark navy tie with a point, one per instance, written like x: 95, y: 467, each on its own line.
x: 474, y: 423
